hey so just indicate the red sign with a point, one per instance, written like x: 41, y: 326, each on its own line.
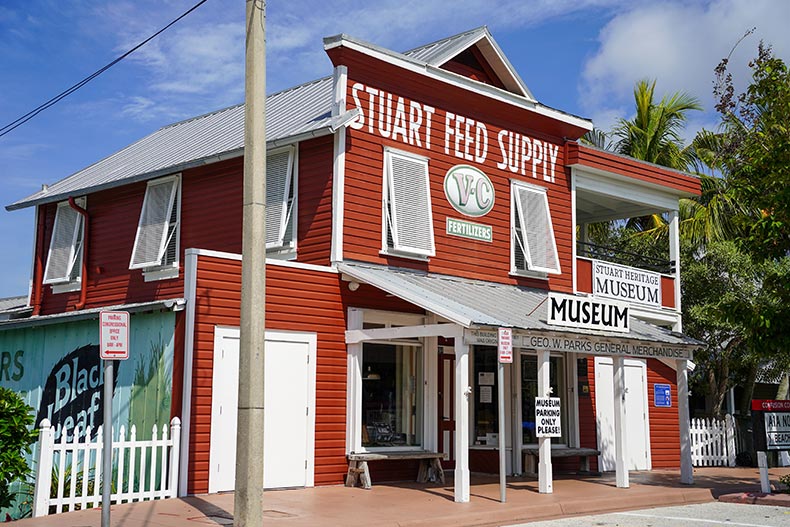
x: 768, y: 405
x: 114, y: 331
x: 505, y: 345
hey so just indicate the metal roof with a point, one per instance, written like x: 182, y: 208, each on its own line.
x: 473, y: 303
x: 210, y: 137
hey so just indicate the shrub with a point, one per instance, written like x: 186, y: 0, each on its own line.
x: 16, y: 436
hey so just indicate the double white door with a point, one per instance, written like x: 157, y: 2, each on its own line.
x: 289, y: 410
x: 636, y: 418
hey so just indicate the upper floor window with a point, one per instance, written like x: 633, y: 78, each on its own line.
x: 64, y: 261
x: 280, y: 200
x: 533, y: 248
x: 156, y: 243
x: 407, y: 217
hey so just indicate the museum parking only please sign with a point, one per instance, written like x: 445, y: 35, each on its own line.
x: 547, y: 417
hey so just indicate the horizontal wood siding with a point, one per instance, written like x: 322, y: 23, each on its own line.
x: 664, y: 423
x: 588, y: 434
x: 211, y: 218
x: 586, y: 156
x: 454, y: 255
x: 296, y: 300
x: 314, y: 230
x: 667, y: 291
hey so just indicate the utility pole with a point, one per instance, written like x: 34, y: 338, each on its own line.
x: 248, y: 507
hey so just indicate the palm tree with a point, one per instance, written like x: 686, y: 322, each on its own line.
x: 653, y: 135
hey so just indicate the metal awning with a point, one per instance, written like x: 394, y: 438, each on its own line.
x: 171, y: 304
x: 476, y: 304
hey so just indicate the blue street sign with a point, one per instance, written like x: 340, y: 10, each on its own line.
x: 662, y: 395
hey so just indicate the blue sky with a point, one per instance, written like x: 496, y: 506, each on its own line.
x: 580, y: 56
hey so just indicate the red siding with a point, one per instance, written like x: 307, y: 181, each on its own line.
x: 664, y: 422
x: 579, y: 154
x: 454, y: 255
x: 321, y: 308
x: 588, y: 435
x: 667, y: 291
x: 211, y: 218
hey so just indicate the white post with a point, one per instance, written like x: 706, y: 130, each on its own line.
x: 43, y: 470
x: 674, y: 255
x: 686, y: 466
x: 175, y: 438
x: 620, y: 430
x: 462, y: 392
x: 501, y: 432
x: 545, y: 475
x: 762, y: 463
x: 729, y: 431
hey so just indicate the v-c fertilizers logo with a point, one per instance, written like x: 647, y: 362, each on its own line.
x: 469, y: 190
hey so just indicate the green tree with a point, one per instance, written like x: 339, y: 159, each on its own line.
x: 16, y: 436
x: 654, y: 133
x: 756, y: 149
x: 731, y: 302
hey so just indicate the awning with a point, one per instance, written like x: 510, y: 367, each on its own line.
x: 480, y: 305
x: 171, y: 304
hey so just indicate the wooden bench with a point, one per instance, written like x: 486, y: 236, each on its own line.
x: 430, y: 465
x: 583, y: 454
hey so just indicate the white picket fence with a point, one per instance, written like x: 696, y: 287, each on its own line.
x: 713, y: 442
x: 78, y: 478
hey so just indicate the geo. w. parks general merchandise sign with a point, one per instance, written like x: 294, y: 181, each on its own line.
x: 587, y: 312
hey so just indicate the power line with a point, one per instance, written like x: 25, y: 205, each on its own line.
x: 62, y: 95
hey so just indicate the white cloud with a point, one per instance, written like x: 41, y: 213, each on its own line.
x: 679, y: 44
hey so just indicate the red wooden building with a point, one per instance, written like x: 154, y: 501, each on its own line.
x: 416, y: 202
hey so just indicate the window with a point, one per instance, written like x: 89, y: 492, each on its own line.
x: 280, y: 199
x: 529, y: 390
x: 486, y: 396
x: 532, y: 241
x: 391, y: 395
x: 407, y: 221
x: 64, y: 261
x: 156, y: 242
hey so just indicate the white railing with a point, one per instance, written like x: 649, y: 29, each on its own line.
x: 713, y: 442
x: 77, y: 479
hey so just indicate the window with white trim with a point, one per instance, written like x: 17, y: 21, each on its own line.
x: 280, y: 200
x: 64, y: 261
x: 533, y: 247
x: 156, y: 243
x: 407, y: 217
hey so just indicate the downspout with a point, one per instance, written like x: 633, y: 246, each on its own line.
x: 84, y: 272
x: 38, y: 265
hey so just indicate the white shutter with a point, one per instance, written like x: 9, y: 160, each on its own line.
x: 151, y: 239
x: 64, y: 248
x: 279, y: 202
x: 540, y: 248
x: 409, y: 202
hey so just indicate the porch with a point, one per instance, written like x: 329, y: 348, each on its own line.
x: 411, y: 504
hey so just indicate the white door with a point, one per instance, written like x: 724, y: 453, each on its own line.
x: 289, y: 417
x: 637, y: 427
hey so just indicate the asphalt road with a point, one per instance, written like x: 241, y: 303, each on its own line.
x: 703, y: 515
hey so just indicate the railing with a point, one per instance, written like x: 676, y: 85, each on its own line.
x: 610, y: 254
x: 78, y: 477
x: 713, y: 442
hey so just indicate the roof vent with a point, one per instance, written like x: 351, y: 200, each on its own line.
x: 44, y: 188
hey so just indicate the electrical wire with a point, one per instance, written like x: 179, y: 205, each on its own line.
x: 62, y: 95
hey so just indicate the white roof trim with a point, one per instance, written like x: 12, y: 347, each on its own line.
x: 453, y: 79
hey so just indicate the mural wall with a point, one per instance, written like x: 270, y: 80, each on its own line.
x: 57, y: 370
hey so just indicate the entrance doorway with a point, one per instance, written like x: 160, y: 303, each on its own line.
x: 636, y: 423
x: 289, y: 418
x: 447, y: 406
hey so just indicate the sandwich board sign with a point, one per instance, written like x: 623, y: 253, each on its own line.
x: 114, y: 335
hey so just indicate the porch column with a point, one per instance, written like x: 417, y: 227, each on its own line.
x: 545, y: 484
x: 462, y: 391
x: 620, y: 439
x: 674, y: 255
x: 686, y: 468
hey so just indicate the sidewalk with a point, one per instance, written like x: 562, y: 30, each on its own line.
x: 413, y: 505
